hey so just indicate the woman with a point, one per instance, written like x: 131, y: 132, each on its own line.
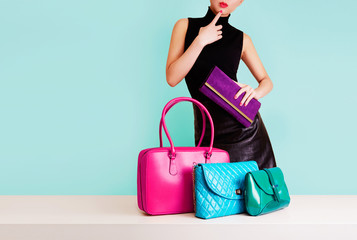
x: 197, y: 45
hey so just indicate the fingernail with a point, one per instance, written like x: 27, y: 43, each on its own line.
x: 245, y: 105
x: 240, y: 104
x: 220, y: 11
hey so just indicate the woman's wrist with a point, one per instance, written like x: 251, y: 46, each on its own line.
x: 199, y: 41
x: 258, y: 94
x: 265, y: 86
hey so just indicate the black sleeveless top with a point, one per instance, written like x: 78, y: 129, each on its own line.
x: 242, y: 144
x: 224, y: 53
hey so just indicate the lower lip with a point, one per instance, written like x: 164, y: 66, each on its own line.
x: 223, y: 5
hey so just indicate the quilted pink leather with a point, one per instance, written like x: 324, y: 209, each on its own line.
x: 164, y: 174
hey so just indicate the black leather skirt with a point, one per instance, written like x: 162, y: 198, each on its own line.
x: 242, y: 143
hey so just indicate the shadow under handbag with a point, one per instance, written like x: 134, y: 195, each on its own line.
x: 265, y: 191
x: 219, y: 188
x: 164, y: 174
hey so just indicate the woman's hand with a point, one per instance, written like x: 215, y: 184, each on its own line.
x: 249, y: 93
x: 211, y: 32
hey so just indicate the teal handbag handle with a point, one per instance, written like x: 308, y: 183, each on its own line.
x: 273, y: 184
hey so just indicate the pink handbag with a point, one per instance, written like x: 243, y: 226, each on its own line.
x: 164, y: 176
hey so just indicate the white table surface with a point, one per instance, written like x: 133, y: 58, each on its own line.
x: 329, y: 216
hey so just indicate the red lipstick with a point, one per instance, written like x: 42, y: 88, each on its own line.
x: 223, y: 4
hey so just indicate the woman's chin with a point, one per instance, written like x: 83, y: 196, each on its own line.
x: 225, y: 13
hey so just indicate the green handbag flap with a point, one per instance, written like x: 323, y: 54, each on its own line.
x: 227, y: 179
x: 262, y: 180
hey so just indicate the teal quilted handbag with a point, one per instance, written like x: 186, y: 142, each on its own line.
x: 218, y: 188
x: 265, y: 191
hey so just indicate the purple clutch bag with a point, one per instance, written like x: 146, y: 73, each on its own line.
x: 221, y: 89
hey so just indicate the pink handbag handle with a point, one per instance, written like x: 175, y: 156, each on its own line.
x: 203, y: 117
x: 172, y: 154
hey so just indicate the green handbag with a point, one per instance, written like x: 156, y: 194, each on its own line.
x: 265, y: 191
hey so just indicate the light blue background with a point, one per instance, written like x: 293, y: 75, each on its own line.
x: 83, y: 86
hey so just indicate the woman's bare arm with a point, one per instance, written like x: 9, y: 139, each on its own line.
x: 253, y: 62
x: 180, y: 62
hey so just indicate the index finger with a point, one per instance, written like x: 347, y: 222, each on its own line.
x: 215, y: 19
